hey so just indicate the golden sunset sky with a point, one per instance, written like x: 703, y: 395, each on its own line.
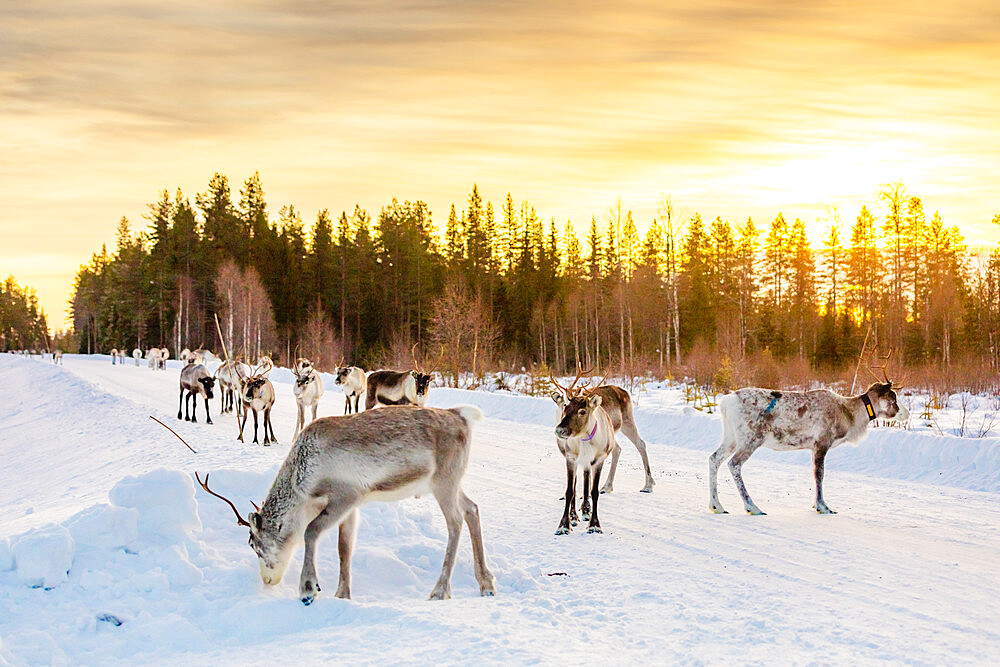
x: 732, y: 108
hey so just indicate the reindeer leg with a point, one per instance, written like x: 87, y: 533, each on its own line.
x: 331, y: 515
x: 347, y: 405
x: 315, y: 407
x: 243, y: 425
x: 595, y: 523
x: 194, y: 407
x: 736, y: 466
x: 255, y: 441
x: 585, y: 507
x: 299, y: 419
x: 345, y: 548
x: 487, y: 583
x: 819, y: 463
x: 609, y: 484
x: 632, y: 433
x: 269, y: 425
x: 448, y: 501
x: 208, y: 415
x: 180, y: 404
x: 564, y: 524
x: 357, y: 397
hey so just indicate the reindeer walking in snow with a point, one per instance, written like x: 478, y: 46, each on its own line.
x: 354, y: 382
x: 258, y: 395
x: 341, y: 463
x: 308, y: 390
x: 817, y: 420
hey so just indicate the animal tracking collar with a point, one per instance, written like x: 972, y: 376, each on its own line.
x: 868, y: 406
x: 592, y: 433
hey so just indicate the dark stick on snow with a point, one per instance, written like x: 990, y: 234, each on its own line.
x: 174, y: 432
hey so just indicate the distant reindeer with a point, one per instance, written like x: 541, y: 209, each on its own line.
x: 308, y: 390
x: 153, y: 357
x: 617, y: 403
x: 57, y: 355
x: 258, y: 395
x: 114, y: 355
x: 164, y: 355
x: 817, y: 420
x: 137, y: 355
x: 341, y: 463
x: 197, y: 381
x: 398, y: 387
x: 354, y: 382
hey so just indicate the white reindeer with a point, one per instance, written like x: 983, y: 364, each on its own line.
x: 341, y: 463
x: 817, y: 420
x: 137, y: 355
x: 231, y: 375
x: 153, y: 357
x: 258, y: 395
x: 354, y: 382
x: 164, y: 355
x: 308, y: 390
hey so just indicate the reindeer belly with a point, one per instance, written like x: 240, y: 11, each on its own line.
x: 402, y: 486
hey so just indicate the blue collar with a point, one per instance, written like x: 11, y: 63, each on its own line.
x: 591, y: 436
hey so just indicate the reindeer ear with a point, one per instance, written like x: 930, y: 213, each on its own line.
x: 415, y: 374
x: 255, y: 521
x: 558, y: 398
x: 594, y: 400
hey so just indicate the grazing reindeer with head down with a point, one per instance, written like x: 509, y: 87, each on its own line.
x: 354, y: 382
x: 585, y: 437
x: 196, y: 380
x: 308, y: 390
x: 817, y: 420
x: 258, y: 395
x: 340, y: 463
x: 618, y: 404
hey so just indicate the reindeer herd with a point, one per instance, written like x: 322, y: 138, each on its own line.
x: 337, y: 464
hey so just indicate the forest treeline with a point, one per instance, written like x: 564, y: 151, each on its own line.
x: 502, y: 287
x: 22, y: 321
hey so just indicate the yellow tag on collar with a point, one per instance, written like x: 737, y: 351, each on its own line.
x: 871, y: 410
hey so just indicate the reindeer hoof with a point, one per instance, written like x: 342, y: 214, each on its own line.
x: 308, y: 599
x: 717, y: 510
x: 756, y: 512
x: 563, y: 530
x: 595, y: 529
x: 648, y: 489
x: 824, y: 510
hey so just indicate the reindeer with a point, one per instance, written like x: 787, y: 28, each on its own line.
x: 137, y: 355
x: 308, y: 390
x: 618, y: 404
x: 258, y: 395
x: 196, y: 380
x: 164, y: 355
x: 354, y: 382
x: 585, y: 437
x: 153, y: 357
x: 398, y: 387
x: 341, y: 463
x: 231, y: 375
x: 114, y: 355
x: 57, y: 355
x: 817, y: 420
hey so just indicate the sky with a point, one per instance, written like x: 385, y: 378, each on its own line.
x: 733, y: 109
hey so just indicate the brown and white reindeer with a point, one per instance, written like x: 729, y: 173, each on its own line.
x: 340, y: 463
x: 231, y: 375
x: 618, y: 404
x: 354, y: 383
x: 308, y: 390
x: 585, y: 437
x: 817, y: 420
x: 197, y: 381
x: 398, y: 387
x: 258, y: 395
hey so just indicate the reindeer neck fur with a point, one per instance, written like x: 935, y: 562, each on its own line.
x: 289, y: 505
x: 599, y: 444
x: 855, y: 406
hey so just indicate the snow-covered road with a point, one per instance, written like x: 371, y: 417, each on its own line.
x: 905, y: 573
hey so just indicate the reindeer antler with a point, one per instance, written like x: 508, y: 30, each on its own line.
x: 568, y: 391
x: 239, y: 519
x: 872, y: 366
x: 413, y: 353
x: 590, y: 390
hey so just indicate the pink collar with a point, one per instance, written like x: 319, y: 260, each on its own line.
x: 591, y: 437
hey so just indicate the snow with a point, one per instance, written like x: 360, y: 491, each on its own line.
x: 110, y: 554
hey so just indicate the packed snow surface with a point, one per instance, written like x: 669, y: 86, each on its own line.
x: 110, y: 554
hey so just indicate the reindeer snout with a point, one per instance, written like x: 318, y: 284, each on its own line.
x: 562, y: 432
